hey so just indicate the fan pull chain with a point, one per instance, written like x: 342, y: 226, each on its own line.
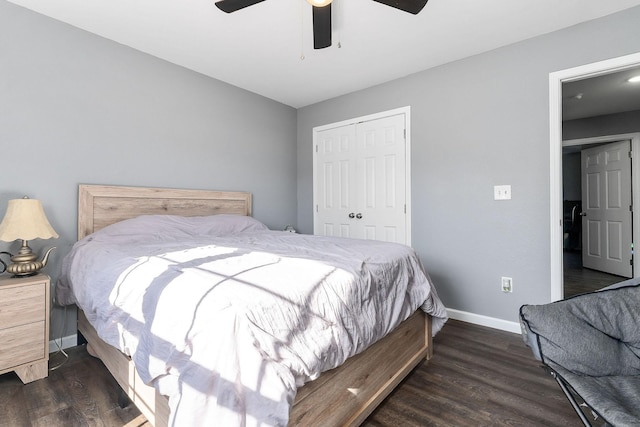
x: 301, y: 31
x: 339, y: 23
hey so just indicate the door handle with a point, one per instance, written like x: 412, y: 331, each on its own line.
x: 583, y: 214
x: 359, y: 216
x: 352, y: 215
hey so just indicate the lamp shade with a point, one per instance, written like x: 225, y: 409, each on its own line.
x: 25, y: 220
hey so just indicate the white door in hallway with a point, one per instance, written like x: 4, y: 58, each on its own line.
x: 360, y: 180
x: 606, y: 208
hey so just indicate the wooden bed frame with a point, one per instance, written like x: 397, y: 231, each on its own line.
x: 343, y: 396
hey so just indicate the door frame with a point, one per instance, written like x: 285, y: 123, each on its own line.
x: 407, y: 123
x: 556, y: 79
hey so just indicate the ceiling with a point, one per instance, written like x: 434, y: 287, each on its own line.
x: 605, y: 94
x: 267, y: 48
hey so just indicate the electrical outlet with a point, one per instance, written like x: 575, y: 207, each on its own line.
x: 507, y: 284
x: 502, y: 192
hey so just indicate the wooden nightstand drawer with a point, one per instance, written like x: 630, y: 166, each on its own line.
x: 22, y: 344
x: 22, y: 305
x: 24, y: 326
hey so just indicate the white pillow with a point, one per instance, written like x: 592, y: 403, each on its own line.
x: 152, y: 228
x: 224, y: 224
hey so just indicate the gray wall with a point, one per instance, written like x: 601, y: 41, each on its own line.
x: 476, y: 123
x: 610, y: 124
x: 76, y: 108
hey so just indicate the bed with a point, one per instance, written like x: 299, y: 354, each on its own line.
x: 342, y: 395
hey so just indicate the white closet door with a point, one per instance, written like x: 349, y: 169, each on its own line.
x: 335, y: 194
x: 360, y: 187
x: 381, y: 182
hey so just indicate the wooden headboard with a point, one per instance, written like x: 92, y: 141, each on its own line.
x: 102, y: 205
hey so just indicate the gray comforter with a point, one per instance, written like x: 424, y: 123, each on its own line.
x: 228, y: 318
x: 592, y: 341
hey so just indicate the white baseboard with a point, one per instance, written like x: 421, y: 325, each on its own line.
x: 479, y: 319
x: 65, y: 342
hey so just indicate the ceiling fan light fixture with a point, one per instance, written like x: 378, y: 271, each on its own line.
x: 319, y: 3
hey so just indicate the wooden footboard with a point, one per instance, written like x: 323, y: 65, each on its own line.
x: 152, y: 404
x: 344, y: 396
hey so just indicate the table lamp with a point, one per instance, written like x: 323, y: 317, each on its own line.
x: 25, y: 220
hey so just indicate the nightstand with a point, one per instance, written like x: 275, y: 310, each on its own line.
x: 24, y: 326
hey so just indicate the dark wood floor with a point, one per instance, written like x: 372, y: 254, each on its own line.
x: 579, y: 280
x: 80, y: 393
x: 477, y: 377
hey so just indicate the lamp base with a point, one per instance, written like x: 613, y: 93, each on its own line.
x: 24, y: 269
x: 25, y: 263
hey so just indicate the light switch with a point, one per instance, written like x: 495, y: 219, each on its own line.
x: 501, y: 192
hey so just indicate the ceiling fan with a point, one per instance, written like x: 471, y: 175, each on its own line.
x: 322, y: 14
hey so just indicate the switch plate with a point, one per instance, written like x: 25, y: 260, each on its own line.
x: 501, y: 192
x: 507, y: 284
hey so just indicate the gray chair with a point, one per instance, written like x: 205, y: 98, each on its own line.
x: 590, y: 344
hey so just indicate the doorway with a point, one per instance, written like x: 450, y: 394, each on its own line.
x: 604, y: 258
x: 556, y: 80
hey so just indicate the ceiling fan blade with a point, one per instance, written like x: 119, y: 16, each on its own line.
x: 321, y: 27
x: 411, y: 6
x: 233, y: 5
